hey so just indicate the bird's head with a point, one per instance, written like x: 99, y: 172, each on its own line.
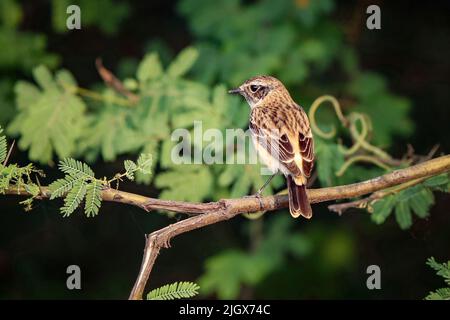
x: 259, y: 89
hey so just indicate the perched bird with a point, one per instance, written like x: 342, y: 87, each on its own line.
x: 282, y: 137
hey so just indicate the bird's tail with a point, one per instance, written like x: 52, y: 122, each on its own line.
x: 298, y: 200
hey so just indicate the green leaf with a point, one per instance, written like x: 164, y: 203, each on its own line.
x: 439, y: 183
x: 382, y: 209
x: 10, y: 13
x: 403, y: 215
x: 418, y: 199
x: 32, y: 189
x: 443, y: 270
x: 144, y: 163
x: 371, y: 90
x: 93, y: 198
x: 111, y: 133
x: 76, y: 168
x: 225, y: 272
x: 150, y: 148
x: 150, y: 68
x: 22, y: 50
x: 74, y: 198
x: 59, y: 187
x: 439, y: 294
x: 177, y: 183
x: 50, y: 120
x: 26, y: 94
x: 228, y: 270
x: 422, y: 202
x: 329, y: 160
x: 130, y: 168
x: 244, y: 179
x: 177, y: 290
x: 182, y: 63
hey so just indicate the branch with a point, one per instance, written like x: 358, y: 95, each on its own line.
x: 339, y: 208
x: 229, y: 208
x: 214, y: 212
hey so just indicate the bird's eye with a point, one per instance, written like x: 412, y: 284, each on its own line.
x: 254, y: 88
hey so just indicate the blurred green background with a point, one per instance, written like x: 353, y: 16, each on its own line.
x: 398, y: 75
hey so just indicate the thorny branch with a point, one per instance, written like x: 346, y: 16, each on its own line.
x: 205, y: 214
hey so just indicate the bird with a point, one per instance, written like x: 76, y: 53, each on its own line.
x: 282, y: 137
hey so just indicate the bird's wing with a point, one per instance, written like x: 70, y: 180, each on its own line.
x: 279, y: 140
x: 306, y: 146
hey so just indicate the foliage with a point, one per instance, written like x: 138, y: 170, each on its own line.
x: 417, y: 199
x: 50, y: 117
x: 16, y: 177
x: 59, y: 118
x: 243, y: 40
x: 79, y: 183
x: 167, y: 102
x: 443, y: 270
x: 227, y: 270
x: 177, y: 290
x: 296, y: 41
x: 334, y: 160
x: 93, y: 14
x: 370, y: 90
x: 169, y: 99
x: 329, y: 160
x: 281, y: 247
x: 78, y: 177
x: 21, y: 51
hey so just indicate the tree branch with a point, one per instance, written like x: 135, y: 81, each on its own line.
x: 214, y: 212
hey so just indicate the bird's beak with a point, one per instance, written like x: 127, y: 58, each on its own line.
x: 235, y: 91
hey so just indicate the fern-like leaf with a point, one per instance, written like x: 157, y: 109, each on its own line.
x: 442, y: 269
x: 74, y: 197
x: 130, y: 168
x: 53, y: 118
x: 3, y: 147
x: 439, y: 294
x: 59, y: 187
x: 93, y: 198
x: 144, y: 163
x: 177, y: 290
x: 76, y: 168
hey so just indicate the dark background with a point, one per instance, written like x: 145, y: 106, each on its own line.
x: 411, y: 51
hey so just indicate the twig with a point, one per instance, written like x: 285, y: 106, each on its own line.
x: 214, y: 212
x: 112, y: 81
x: 432, y: 152
x: 100, y: 97
x: 340, y: 208
x: 9, y: 153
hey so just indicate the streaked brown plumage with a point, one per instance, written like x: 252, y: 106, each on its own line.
x: 282, y: 136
